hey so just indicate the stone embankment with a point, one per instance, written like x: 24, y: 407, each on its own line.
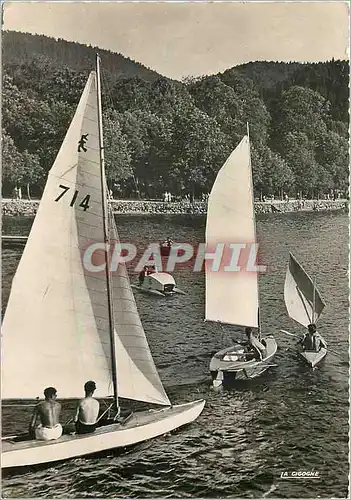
x: 137, y: 207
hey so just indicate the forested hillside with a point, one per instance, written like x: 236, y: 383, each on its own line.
x: 166, y: 135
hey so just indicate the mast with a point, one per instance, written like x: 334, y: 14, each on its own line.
x: 253, y: 208
x: 106, y: 237
x: 314, y: 299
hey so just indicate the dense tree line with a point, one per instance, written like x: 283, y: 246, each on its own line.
x: 166, y: 135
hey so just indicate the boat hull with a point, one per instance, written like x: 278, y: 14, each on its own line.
x: 312, y: 358
x: 242, y: 370
x: 140, y: 427
x: 158, y: 283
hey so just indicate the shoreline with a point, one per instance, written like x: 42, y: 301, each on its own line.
x: 28, y: 208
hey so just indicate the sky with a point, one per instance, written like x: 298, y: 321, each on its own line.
x: 180, y: 39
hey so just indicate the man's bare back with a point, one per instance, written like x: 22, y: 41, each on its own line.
x: 88, y: 410
x: 49, y: 413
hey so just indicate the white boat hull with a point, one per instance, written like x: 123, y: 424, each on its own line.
x: 161, y: 284
x: 312, y: 358
x: 150, y: 291
x: 242, y: 370
x: 140, y: 427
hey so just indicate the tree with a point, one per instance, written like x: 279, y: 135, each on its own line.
x: 233, y: 102
x: 302, y: 111
x: 271, y: 173
x: 117, y: 157
x: 12, y: 164
x: 19, y: 168
x: 32, y: 170
x: 299, y: 155
x: 332, y: 153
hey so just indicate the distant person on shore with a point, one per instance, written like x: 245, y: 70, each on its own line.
x: 87, y: 410
x: 49, y: 413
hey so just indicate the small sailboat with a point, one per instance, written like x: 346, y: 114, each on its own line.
x: 65, y: 324
x: 304, y: 305
x: 232, y: 298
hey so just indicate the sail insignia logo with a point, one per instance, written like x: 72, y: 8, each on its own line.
x: 300, y: 475
x: 82, y: 142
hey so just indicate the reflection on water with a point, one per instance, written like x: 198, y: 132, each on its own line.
x: 289, y: 419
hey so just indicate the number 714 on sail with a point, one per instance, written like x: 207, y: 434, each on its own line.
x: 84, y: 203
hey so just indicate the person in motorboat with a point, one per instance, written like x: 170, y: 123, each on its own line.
x: 142, y: 275
x: 150, y: 269
x: 49, y: 413
x: 167, y: 243
x: 87, y: 410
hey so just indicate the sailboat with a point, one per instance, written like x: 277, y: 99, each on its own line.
x: 65, y: 324
x: 304, y: 305
x: 232, y: 298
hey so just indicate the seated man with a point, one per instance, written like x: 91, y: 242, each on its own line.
x: 257, y: 345
x: 87, y: 410
x: 316, y: 340
x: 49, y: 413
x: 306, y: 342
x: 254, y: 344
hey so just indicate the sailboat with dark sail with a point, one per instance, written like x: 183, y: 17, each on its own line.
x: 305, y: 305
x: 75, y: 324
x: 232, y: 298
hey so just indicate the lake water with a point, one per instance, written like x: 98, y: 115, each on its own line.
x: 291, y: 419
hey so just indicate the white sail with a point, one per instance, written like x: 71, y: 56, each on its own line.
x: 137, y: 377
x: 56, y: 326
x: 232, y: 297
x: 300, y: 293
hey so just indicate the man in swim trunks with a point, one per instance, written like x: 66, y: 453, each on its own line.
x: 49, y: 413
x: 87, y: 410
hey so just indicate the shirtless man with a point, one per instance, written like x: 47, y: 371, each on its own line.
x: 255, y: 344
x: 49, y: 413
x: 87, y: 410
